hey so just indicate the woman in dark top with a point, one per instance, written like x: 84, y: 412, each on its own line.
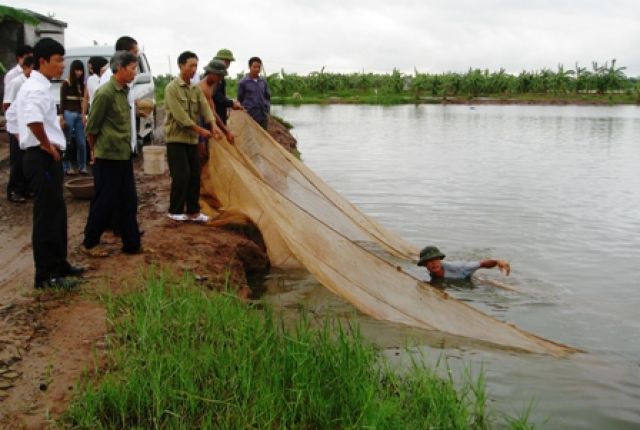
x: 71, y: 94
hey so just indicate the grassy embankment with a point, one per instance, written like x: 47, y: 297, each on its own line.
x: 602, y: 84
x: 179, y: 357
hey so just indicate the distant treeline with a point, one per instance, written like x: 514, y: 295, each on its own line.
x: 600, y: 79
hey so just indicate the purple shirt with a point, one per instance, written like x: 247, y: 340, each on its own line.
x: 255, y: 97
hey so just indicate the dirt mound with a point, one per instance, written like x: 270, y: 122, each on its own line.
x: 50, y: 336
x: 282, y: 135
x: 47, y: 340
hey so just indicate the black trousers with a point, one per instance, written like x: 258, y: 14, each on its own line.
x: 49, y: 236
x: 17, y: 182
x: 115, y: 198
x: 184, y: 167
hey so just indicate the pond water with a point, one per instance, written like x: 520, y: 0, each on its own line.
x: 555, y: 190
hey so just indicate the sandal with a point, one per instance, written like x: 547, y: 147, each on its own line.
x: 95, y: 252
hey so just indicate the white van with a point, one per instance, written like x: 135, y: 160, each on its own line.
x: 143, y: 86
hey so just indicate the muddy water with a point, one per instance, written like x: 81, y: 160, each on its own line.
x: 556, y: 190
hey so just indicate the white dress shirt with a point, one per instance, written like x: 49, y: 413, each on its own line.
x: 106, y: 76
x: 12, y: 74
x: 92, y: 85
x: 11, y: 115
x: 12, y: 88
x: 36, y: 104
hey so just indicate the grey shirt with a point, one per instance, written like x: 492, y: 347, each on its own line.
x: 459, y: 269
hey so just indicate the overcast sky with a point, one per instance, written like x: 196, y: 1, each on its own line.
x: 374, y: 35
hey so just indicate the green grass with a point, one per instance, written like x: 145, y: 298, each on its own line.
x: 407, y: 98
x: 346, y: 98
x: 180, y: 358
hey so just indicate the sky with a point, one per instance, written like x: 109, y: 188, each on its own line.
x: 375, y: 36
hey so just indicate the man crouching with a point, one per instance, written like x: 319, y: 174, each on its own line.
x: 109, y: 136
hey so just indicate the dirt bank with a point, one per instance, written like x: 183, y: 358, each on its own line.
x: 47, y: 339
x: 540, y: 101
x: 282, y: 135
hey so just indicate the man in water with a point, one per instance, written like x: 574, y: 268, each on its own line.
x: 432, y: 259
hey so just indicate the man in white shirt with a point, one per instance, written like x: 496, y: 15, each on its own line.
x: 13, y: 86
x: 17, y: 185
x: 43, y: 140
x: 22, y: 52
x: 97, y: 66
x: 126, y: 43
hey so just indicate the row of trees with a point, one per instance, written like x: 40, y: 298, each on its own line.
x: 599, y: 79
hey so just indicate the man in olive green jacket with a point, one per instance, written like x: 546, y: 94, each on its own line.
x: 184, y: 105
x: 109, y: 136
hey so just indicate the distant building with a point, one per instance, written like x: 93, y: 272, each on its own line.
x: 22, y: 26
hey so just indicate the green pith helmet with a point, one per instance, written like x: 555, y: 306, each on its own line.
x: 225, y: 54
x: 430, y: 253
x: 216, y: 67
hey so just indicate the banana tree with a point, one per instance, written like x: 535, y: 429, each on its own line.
x: 18, y: 15
x: 583, y: 76
x: 562, y: 80
x: 10, y: 13
x: 614, y: 76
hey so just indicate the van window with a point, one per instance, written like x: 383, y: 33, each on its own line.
x: 143, y: 66
x: 67, y: 66
x: 85, y: 59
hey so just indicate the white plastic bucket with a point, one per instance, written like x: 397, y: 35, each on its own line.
x: 153, y: 157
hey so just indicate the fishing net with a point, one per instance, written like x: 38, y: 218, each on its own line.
x: 305, y: 223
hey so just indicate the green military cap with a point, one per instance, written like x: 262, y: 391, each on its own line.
x: 225, y: 54
x: 430, y: 253
x: 217, y: 67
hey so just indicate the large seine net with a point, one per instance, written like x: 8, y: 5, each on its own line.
x: 307, y: 224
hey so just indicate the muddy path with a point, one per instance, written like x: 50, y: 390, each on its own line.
x: 48, y: 339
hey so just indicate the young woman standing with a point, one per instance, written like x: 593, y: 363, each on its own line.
x: 71, y: 95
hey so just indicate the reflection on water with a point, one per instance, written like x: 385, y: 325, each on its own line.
x: 555, y: 190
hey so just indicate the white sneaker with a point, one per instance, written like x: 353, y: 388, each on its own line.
x: 178, y: 217
x: 202, y: 218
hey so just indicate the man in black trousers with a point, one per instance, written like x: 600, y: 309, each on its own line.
x: 17, y: 190
x: 109, y: 131
x: 43, y: 140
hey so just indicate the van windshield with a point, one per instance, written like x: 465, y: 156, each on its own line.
x: 68, y: 59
